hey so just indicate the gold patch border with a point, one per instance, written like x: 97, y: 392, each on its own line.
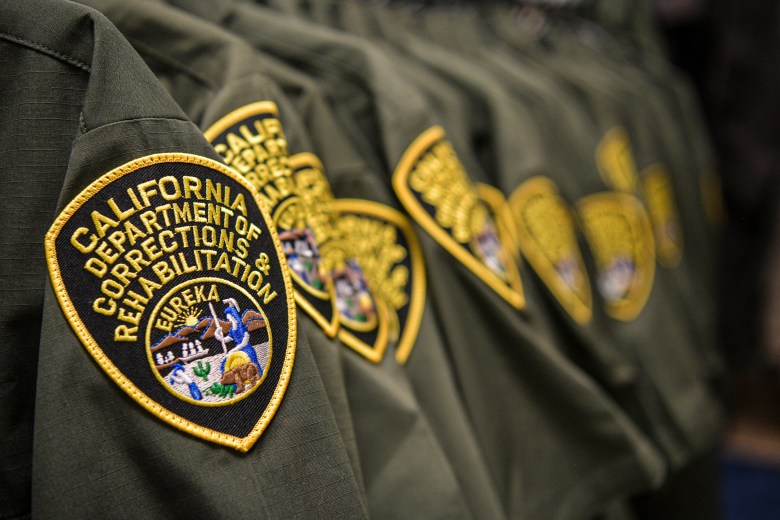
x: 405, y: 345
x: 673, y: 260
x: 242, y: 444
x: 579, y: 310
x: 606, y: 176
x: 510, y: 291
x: 252, y: 109
x: 632, y: 306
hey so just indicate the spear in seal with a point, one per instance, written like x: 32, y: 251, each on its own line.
x: 221, y: 337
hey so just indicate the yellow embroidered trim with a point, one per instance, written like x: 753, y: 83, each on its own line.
x: 615, y: 161
x: 261, y: 107
x: 547, y: 236
x: 509, y: 289
x: 658, y: 194
x: 619, y: 232
x: 240, y: 444
x: 406, y: 341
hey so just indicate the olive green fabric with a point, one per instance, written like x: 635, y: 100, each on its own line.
x: 700, y: 438
x: 35, y: 117
x: 509, y: 139
x: 380, y: 395
x: 458, y: 35
x: 700, y: 433
x: 679, y: 323
x: 96, y: 453
x: 657, y: 118
x: 211, y: 73
x: 382, y: 113
x: 499, y: 412
x: 517, y: 157
x: 633, y: 21
x: 568, y: 148
x: 517, y: 152
x: 646, y: 412
x: 371, y: 435
x: 668, y: 112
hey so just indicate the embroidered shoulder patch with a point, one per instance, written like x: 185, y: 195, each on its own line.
x: 615, y: 161
x: 547, y: 236
x: 169, y: 272
x: 390, y: 255
x: 658, y: 194
x: 620, y: 235
x: 435, y: 190
x: 252, y: 142
x: 362, y: 313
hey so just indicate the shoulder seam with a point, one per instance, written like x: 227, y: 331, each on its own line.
x: 46, y: 50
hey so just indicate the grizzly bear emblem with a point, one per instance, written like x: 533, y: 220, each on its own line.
x: 241, y: 376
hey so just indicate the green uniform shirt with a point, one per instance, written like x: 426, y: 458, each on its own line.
x: 591, y: 344
x: 211, y: 74
x: 96, y: 452
x: 364, y: 399
x: 698, y: 415
x: 698, y: 436
x: 372, y: 97
x: 701, y: 442
x: 375, y: 403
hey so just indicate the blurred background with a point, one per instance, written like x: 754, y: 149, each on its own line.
x: 731, y: 49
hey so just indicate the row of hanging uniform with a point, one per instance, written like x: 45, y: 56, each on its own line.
x: 527, y: 191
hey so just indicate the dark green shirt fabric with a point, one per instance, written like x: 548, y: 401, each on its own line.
x: 211, y: 73
x: 418, y: 460
x: 380, y: 395
x: 512, y: 125
x: 97, y: 453
x: 703, y: 363
x: 538, y: 95
x: 699, y: 434
x: 687, y: 330
x: 383, y: 113
x: 499, y: 412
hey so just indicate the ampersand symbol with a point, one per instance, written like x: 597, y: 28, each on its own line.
x: 263, y: 263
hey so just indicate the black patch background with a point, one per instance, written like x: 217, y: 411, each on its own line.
x: 237, y: 419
